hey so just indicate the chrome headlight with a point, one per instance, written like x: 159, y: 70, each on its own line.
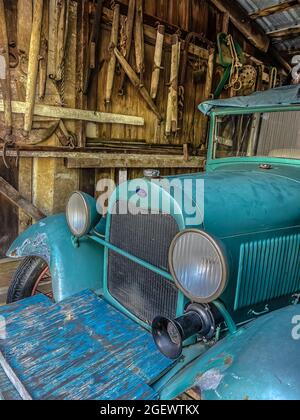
x: 198, y: 265
x: 81, y: 214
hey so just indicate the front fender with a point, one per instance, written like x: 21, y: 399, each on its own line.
x: 260, y: 362
x: 72, y: 269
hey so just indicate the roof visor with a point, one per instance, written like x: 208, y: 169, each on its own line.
x: 286, y: 95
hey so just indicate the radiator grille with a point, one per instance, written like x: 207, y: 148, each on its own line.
x: 148, y: 237
x: 269, y: 269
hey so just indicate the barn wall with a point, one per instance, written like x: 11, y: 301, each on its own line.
x: 47, y: 182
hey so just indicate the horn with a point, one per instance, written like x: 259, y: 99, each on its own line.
x: 169, y: 335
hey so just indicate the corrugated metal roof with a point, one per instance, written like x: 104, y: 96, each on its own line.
x: 252, y: 6
x: 289, y: 45
x: 286, y: 19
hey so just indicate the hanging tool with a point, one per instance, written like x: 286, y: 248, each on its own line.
x: 62, y: 37
x: 61, y: 32
x: 33, y: 64
x: 228, y: 49
x: 191, y: 37
x: 172, y: 107
x: 43, y: 63
x: 5, y: 81
x: 66, y: 138
x: 248, y: 78
x: 113, y: 60
x: 93, y: 48
x: 40, y: 134
x: 5, y: 71
x: 139, y: 40
x: 234, y: 81
x: 133, y: 77
x: 157, y: 60
x: 273, y: 78
x: 126, y: 46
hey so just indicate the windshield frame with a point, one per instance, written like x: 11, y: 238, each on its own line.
x: 219, y: 112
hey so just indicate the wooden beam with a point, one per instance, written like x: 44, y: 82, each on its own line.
x: 106, y: 160
x: 75, y: 114
x: 15, y: 198
x: 136, y: 161
x: 268, y: 11
x: 285, y: 33
x: 243, y: 23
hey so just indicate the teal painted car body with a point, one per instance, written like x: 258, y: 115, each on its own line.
x: 255, y: 214
x: 50, y: 240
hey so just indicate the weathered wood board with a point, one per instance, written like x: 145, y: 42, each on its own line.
x: 79, y: 349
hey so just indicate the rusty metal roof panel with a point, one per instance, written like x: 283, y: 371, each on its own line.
x: 252, y: 6
x: 286, y: 19
x: 280, y: 20
x: 288, y: 45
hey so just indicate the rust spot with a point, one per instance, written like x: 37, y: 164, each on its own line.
x: 228, y: 361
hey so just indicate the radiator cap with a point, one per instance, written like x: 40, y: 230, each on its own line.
x: 152, y: 173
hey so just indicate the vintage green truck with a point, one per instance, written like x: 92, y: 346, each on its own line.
x: 151, y: 303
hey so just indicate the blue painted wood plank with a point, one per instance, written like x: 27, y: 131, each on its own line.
x: 82, y: 348
x: 7, y: 390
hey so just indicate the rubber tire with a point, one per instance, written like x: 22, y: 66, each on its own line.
x: 25, y: 278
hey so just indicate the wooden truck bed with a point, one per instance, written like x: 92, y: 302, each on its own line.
x: 79, y: 349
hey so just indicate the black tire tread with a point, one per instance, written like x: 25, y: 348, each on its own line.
x: 25, y: 278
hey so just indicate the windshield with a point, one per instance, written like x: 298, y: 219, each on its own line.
x: 274, y: 134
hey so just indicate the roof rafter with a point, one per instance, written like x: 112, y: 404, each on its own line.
x: 243, y: 23
x: 285, y: 33
x: 268, y: 11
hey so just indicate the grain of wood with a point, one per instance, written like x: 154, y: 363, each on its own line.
x: 136, y: 83
x: 33, y: 64
x: 113, y: 60
x: 75, y: 114
x: 126, y: 48
x: 15, y: 198
x: 5, y: 70
x: 157, y: 61
x: 139, y: 39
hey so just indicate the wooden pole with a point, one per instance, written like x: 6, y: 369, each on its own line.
x: 172, y: 108
x: 15, y: 197
x: 75, y: 114
x: 62, y: 36
x: 208, y: 86
x: 157, y: 60
x: 94, y: 46
x: 129, y: 34
x: 25, y: 12
x: 139, y: 39
x: 33, y: 64
x: 5, y: 70
x: 133, y: 77
x: 113, y: 60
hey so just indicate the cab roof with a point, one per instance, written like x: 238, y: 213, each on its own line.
x: 286, y: 95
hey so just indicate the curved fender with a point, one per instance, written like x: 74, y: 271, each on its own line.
x: 73, y: 269
x: 260, y: 362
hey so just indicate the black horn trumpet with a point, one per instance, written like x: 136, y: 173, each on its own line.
x: 169, y: 335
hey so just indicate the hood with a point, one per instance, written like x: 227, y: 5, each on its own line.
x: 243, y: 199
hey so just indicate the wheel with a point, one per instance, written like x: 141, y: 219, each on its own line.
x: 31, y: 278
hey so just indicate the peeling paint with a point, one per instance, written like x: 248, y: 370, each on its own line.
x: 37, y: 246
x: 210, y: 381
